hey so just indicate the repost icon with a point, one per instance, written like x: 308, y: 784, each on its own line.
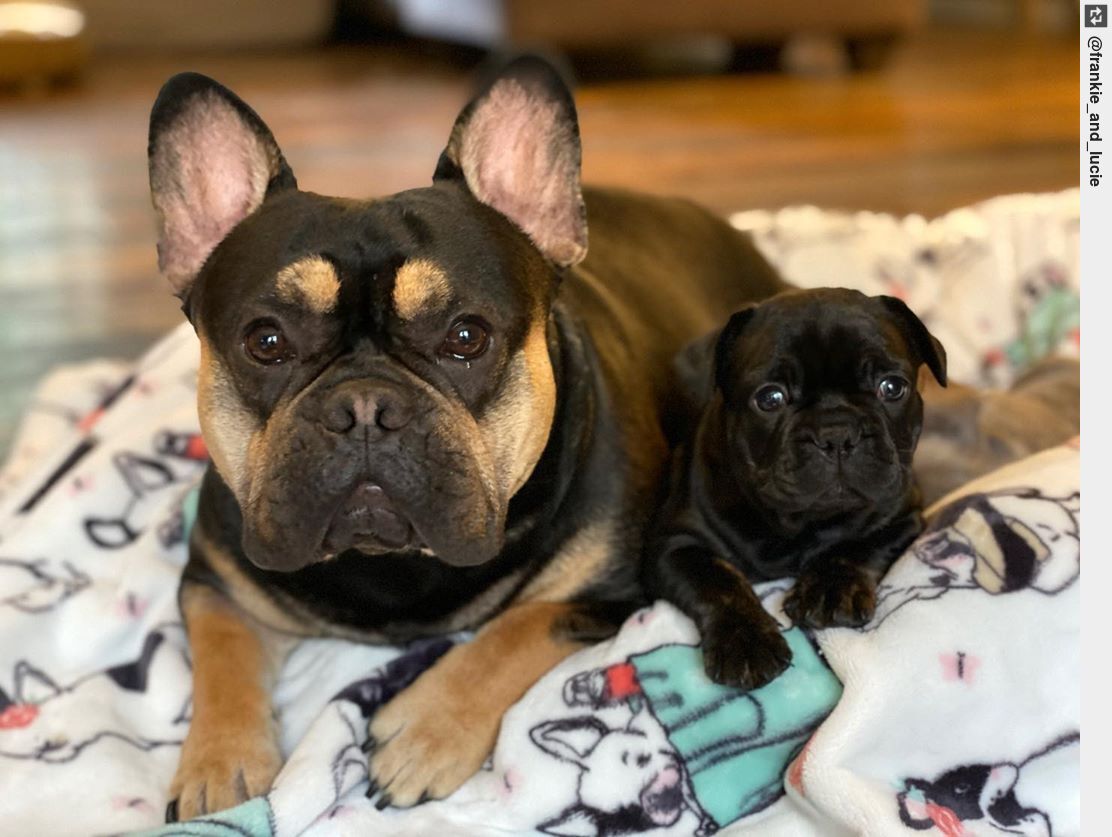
x: 1096, y: 16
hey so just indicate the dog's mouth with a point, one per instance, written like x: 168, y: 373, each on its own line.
x: 860, y: 482
x: 368, y: 521
x: 837, y: 492
x: 662, y: 800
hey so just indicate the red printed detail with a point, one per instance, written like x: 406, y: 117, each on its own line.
x: 994, y: 357
x: 91, y: 418
x: 959, y: 666
x: 621, y: 681
x: 795, y: 769
x: 195, y: 449
x: 945, y: 820
x: 18, y: 715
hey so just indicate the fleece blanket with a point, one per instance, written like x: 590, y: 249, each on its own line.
x: 956, y: 711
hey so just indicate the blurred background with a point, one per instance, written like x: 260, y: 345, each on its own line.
x: 901, y: 106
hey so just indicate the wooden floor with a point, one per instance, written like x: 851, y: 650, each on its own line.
x: 954, y: 118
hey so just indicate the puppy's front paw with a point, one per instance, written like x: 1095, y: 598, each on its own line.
x: 219, y: 771
x: 429, y: 740
x: 841, y: 596
x: 738, y: 653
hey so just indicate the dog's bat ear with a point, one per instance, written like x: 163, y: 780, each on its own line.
x: 914, y: 812
x: 694, y: 369
x: 577, y: 821
x: 570, y: 739
x: 724, y: 346
x: 925, y: 344
x: 212, y: 163
x: 516, y: 146
x: 33, y: 685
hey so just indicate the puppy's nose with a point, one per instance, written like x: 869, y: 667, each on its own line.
x: 359, y: 404
x: 835, y: 439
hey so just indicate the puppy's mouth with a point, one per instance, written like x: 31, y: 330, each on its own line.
x: 846, y: 487
x: 368, y: 521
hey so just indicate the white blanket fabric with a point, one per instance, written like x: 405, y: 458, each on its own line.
x: 958, y: 711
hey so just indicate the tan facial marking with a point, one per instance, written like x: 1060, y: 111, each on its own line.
x: 312, y: 282
x: 437, y: 733
x: 226, y: 425
x: 420, y: 286
x: 516, y: 427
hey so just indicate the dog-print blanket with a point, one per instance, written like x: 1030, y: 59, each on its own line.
x: 956, y: 711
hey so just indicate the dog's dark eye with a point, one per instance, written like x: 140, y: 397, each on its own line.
x: 891, y: 388
x: 467, y: 339
x: 266, y: 344
x: 770, y: 397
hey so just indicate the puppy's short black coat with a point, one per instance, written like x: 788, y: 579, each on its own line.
x: 798, y: 463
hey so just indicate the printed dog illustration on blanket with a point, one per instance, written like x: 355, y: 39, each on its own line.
x: 54, y: 723
x: 684, y: 744
x: 997, y: 542
x: 632, y: 779
x: 40, y: 585
x: 178, y: 457
x: 977, y: 800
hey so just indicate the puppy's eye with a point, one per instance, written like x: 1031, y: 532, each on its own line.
x: 467, y: 339
x: 770, y: 397
x: 266, y: 344
x: 891, y: 388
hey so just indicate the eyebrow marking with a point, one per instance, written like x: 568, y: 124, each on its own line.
x: 312, y: 282
x: 419, y: 285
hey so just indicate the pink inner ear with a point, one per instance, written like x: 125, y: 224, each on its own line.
x: 209, y: 171
x: 518, y: 157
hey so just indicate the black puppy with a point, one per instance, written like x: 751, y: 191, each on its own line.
x: 797, y: 464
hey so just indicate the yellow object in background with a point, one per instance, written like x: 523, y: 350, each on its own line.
x: 41, y: 41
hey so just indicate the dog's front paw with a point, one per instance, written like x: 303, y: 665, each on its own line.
x: 219, y: 771
x: 738, y: 653
x: 430, y: 739
x: 842, y: 596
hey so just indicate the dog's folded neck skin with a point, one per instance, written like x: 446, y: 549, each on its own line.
x: 799, y: 464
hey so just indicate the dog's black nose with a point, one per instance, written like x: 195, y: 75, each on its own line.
x: 836, y: 438
x: 361, y: 404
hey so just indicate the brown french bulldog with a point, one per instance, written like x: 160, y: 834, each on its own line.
x: 426, y: 412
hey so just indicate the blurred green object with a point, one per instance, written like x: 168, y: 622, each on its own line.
x: 736, y: 745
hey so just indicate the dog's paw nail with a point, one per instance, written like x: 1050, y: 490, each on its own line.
x: 423, y: 798
x: 172, y: 811
x: 372, y: 789
x: 384, y: 802
x: 369, y: 745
